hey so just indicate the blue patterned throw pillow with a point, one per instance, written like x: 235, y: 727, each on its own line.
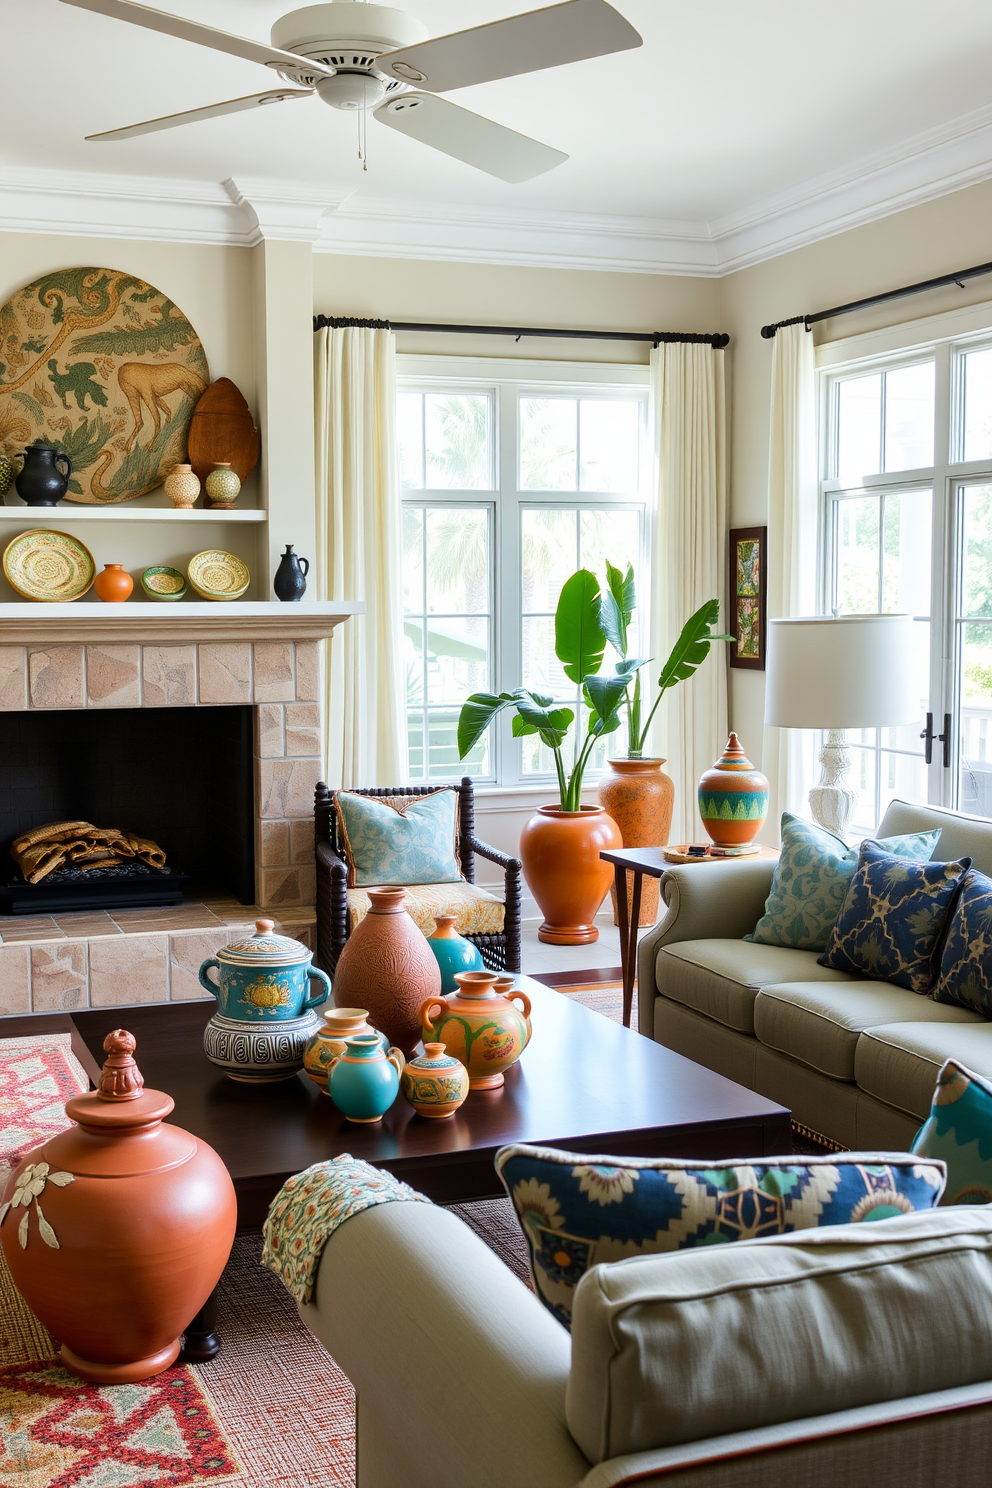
x: 577, y: 1212
x: 966, y: 960
x: 959, y: 1132
x: 811, y: 879
x: 893, y: 917
x: 400, y: 839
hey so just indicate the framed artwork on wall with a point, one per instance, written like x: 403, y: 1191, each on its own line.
x: 748, y: 596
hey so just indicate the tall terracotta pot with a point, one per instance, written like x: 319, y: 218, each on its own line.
x: 639, y: 796
x: 117, y: 1230
x: 560, y: 855
x: 388, y: 967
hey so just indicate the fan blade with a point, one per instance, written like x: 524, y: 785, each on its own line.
x: 480, y: 142
x: 525, y: 43
x: 220, y: 41
x: 194, y: 116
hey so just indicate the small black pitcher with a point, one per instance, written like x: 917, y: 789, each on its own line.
x: 42, y: 481
x: 290, y: 582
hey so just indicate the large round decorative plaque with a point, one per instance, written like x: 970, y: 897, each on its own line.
x: 105, y: 367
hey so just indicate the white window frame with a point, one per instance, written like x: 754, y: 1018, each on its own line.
x: 506, y: 380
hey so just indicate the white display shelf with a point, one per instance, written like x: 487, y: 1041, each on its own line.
x: 73, y: 512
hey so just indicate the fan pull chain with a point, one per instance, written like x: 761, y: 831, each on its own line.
x: 363, y: 139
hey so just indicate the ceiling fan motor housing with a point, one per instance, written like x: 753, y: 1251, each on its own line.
x: 348, y: 36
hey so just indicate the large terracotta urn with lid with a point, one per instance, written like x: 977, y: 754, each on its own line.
x: 639, y: 796
x: 560, y: 852
x: 117, y: 1230
x: 388, y: 967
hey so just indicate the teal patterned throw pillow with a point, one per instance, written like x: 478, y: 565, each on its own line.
x: 966, y: 961
x: 578, y: 1212
x: 893, y: 918
x: 811, y: 879
x: 401, y: 839
x: 959, y: 1132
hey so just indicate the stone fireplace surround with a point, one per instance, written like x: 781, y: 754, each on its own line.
x: 82, y: 655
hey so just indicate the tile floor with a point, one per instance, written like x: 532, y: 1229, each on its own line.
x: 538, y: 957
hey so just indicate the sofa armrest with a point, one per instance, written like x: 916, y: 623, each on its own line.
x: 460, y: 1371
x: 706, y: 901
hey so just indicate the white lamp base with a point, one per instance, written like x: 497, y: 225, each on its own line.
x: 831, y: 801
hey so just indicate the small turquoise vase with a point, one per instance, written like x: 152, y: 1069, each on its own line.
x: 452, y: 952
x: 364, y: 1082
x: 264, y: 979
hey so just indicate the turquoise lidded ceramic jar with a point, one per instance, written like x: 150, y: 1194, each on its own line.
x: 365, y: 1080
x: 452, y: 952
x: 265, y: 978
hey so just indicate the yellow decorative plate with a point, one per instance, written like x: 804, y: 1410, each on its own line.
x: 46, y: 565
x: 215, y: 574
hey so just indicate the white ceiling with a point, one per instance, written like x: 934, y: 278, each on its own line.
x: 728, y: 103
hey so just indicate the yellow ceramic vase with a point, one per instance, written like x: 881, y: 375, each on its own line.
x: 328, y: 1042
x: 479, y: 1026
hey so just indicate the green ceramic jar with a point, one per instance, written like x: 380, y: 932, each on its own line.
x: 364, y: 1081
x: 264, y: 979
x: 452, y: 952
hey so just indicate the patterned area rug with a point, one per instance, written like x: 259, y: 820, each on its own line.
x: 602, y: 997
x: 37, y: 1077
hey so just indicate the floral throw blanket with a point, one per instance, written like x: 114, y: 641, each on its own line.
x: 308, y: 1209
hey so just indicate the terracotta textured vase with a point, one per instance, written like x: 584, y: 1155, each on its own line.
x: 223, y: 485
x: 639, y: 797
x: 733, y: 798
x: 435, y: 1084
x: 114, y: 585
x: 364, y: 1080
x: 388, y: 967
x: 478, y: 1026
x: 181, y: 486
x: 117, y: 1230
x: 452, y: 951
x: 328, y: 1041
x: 560, y: 855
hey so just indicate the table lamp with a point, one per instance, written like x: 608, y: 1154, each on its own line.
x: 852, y: 671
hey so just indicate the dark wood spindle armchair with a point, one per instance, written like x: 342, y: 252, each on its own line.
x: 500, y: 952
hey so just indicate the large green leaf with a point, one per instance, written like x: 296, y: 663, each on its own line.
x: 478, y: 712
x: 552, y: 724
x: 693, y: 645
x: 580, y: 640
x: 616, y: 606
x: 604, y: 696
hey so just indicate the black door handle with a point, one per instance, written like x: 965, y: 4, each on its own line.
x: 927, y: 737
x: 945, y: 739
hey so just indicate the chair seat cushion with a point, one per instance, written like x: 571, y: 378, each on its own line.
x: 820, y: 1024
x: 475, y: 911
x: 721, y: 978
x: 959, y: 1132
x: 899, y: 1062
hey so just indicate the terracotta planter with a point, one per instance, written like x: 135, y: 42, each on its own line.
x: 119, y: 1228
x: 639, y: 797
x: 484, y: 1030
x: 560, y: 855
x: 114, y: 585
x: 388, y: 967
x: 733, y: 798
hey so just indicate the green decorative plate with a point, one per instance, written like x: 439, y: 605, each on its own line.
x: 49, y: 566
x: 160, y: 582
x: 215, y: 574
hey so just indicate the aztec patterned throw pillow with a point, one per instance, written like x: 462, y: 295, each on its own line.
x: 893, y: 917
x: 578, y: 1212
x: 399, y: 840
x: 811, y: 879
x: 966, y: 961
x: 959, y: 1130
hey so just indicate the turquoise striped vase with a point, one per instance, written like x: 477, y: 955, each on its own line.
x: 733, y: 798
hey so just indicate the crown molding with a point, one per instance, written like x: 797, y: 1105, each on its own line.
x: 290, y: 211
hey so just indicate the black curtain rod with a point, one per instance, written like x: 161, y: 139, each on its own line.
x: 715, y: 339
x: 959, y: 278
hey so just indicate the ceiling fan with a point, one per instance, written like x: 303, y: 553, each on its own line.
x: 362, y: 57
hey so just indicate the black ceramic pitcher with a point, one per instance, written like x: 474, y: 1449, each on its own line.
x: 290, y: 581
x: 42, y: 481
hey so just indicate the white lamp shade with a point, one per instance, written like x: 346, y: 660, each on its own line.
x: 855, y: 671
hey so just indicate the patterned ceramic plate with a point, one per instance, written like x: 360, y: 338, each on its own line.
x: 163, y: 583
x: 215, y: 574
x: 48, y: 565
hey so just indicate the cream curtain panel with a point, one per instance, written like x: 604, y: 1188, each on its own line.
x: 359, y: 537
x: 792, y: 509
x: 688, y: 547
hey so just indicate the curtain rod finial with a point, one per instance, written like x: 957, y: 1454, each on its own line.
x: 768, y: 332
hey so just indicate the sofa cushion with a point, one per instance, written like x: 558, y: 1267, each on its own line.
x: 678, y: 1348
x: 959, y: 1132
x: 721, y: 978
x: 959, y: 834
x: 820, y: 1024
x: 577, y: 1212
x: 893, y: 918
x: 966, y: 960
x: 899, y: 1062
x: 811, y: 879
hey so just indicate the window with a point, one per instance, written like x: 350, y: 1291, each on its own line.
x: 906, y: 501
x: 511, y: 481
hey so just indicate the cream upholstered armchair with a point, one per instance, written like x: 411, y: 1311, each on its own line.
x: 491, y: 924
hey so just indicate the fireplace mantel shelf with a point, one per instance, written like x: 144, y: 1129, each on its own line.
x: 143, y: 622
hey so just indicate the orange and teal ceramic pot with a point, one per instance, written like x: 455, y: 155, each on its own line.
x: 329, y: 1040
x: 733, y: 798
x: 364, y: 1081
x: 484, y: 1030
x: 435, y: 1084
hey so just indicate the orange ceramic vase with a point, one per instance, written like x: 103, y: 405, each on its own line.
x: 388, y: 967
x: 117, y: 1230
x: 114, y: 585
x: 560, y: 855
x: 733, y: 798
x: 483, y: 1030
x: 639, y: 797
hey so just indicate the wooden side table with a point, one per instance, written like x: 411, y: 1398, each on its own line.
x: 638, y: 861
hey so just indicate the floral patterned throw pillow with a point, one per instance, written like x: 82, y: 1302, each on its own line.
x: 578, y: 1212
x: 893, y: 918
x: 966, y: 960
x: 400, y: 840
